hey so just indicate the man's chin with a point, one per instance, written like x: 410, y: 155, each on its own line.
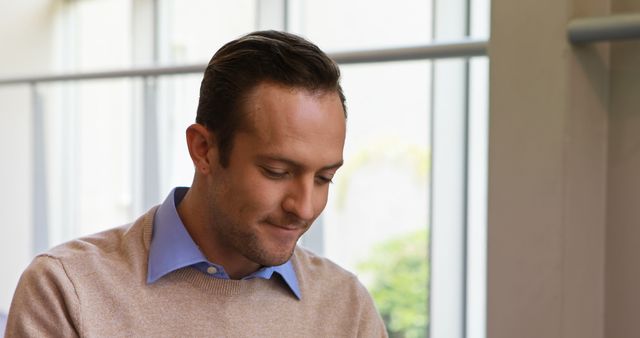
x: 276, y: 258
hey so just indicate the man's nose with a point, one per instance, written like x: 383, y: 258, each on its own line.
x: 299, y: 200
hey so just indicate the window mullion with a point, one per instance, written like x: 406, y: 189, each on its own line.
x: 449, y: 184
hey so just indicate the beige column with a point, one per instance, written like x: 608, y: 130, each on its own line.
x: 623, y: 191
x: 547, y: 173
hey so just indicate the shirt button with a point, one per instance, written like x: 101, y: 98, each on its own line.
x: 212, y: 270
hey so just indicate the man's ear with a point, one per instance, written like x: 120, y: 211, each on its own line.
x: 202, y: 147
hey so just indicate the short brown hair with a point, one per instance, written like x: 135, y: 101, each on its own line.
x: 242, y: 64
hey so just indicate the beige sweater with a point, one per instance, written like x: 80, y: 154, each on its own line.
x: 96, y: 287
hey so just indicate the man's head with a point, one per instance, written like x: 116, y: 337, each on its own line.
x: 269, y: 138
x: 240, y: 65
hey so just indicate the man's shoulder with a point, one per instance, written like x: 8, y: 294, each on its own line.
x: 125, y: 242
x: 313, y: 261
x: 315, y: 269
x: 99, y: 243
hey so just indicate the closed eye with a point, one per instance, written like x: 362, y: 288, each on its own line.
x: 324, y: 179
x: 273, y: 173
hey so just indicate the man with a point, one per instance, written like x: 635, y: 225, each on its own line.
x: 220, y: 259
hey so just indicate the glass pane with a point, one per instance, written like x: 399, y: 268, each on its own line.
x: 178, y: 101
x: 362, y: 24
x: 89, y: 156
x: 96, y: 34
x: 376, y: 221
x: 191, y: 30
x: 16, y: 177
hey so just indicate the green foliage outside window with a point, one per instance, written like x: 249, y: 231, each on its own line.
x: 399, y: 269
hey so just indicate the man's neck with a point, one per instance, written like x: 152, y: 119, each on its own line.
x: 192, y: 213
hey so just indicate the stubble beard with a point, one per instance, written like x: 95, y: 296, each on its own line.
x: 243, y: 239
x: 253, y: 248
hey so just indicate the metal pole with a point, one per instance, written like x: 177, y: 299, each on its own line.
x: 467, y: 48
x: 596, y: 29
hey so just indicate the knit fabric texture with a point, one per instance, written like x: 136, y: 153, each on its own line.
x: 96, y: 287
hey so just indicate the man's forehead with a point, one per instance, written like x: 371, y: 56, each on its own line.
x: 271, y: 107
x: 274, y: 88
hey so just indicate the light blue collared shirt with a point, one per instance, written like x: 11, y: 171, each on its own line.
x: 172, y: 248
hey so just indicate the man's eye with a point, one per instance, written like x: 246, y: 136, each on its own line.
x: 324, y: 179
x: 275, y: 174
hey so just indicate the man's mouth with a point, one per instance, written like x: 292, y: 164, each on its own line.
x: 288, y: 227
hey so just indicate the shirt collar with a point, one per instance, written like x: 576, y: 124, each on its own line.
x: 285, y: 271
x: 172, y: 248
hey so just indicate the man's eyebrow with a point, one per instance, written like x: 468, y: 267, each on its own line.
x: 295, y: 164
x: 333, y: 166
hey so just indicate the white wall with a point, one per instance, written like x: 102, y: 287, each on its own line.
x: 26, y: 32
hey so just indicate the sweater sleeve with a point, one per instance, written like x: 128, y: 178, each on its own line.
x: 45, y: 303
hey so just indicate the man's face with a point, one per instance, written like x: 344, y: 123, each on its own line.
x: 278, y: 177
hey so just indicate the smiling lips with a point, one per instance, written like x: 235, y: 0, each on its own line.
x: 286, y: 227
x: 284, y: 234
x: 287, y: 223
